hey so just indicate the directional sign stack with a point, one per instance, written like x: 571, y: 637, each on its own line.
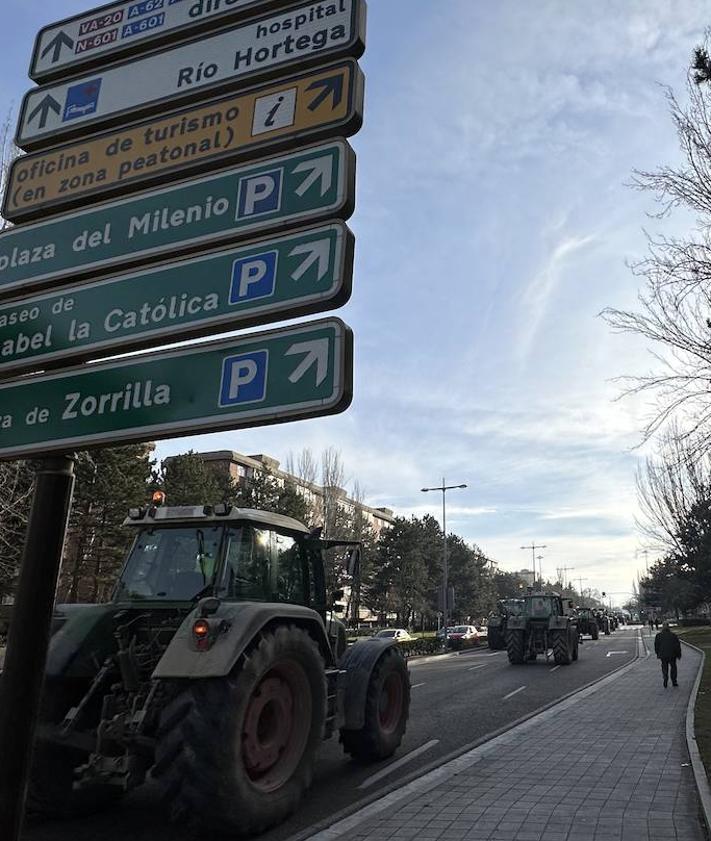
x: 186, y: 175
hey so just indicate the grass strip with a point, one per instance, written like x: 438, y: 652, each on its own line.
x: 701, y: 637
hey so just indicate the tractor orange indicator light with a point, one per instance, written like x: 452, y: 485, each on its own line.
x: 201, y: 630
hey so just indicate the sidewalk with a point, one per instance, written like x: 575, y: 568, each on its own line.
x: 608, y: 765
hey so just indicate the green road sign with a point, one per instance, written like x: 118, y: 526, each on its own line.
x: 314, y: 183
x: 265, y: 378
x: 268, y: 280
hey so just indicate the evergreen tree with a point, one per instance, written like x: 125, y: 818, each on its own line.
x: 186, y: 479
x: 266, y: 492
x: 108, y: 482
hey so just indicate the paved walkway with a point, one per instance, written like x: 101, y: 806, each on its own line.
x: 610, y: 766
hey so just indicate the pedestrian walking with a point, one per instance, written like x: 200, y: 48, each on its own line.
x: 667, y: 647
x: 656, y: 622
x: 650, y: 622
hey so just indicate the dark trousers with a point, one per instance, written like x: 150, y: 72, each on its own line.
x: 665, y: 670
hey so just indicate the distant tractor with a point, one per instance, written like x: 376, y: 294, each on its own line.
x: 216, y: 671
x: 587, y: 622
x: 496, y: 626
x: 545, y: 624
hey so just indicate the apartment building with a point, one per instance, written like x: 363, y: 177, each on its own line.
x: 242, y: 468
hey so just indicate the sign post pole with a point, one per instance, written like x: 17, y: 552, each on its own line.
x: 23, y: 674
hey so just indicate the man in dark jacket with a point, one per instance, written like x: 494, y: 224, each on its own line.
x: 668, y: 649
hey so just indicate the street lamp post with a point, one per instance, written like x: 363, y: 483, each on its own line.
x: 533, y: 548
x: 444, y: 487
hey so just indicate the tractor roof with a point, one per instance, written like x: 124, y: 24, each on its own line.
x: 193, y: 514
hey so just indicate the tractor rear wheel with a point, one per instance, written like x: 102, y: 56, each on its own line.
x: 236, y: 754
x: 515, y: 647
x: 562, y: 652
x: 387, y: 708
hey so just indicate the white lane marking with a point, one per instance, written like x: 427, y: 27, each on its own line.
x: 399, y: 763
x: 610, y: 653
x: 554, y: 668
x: 415, y: 685
x: 515, y: 692
x: 480, y: 666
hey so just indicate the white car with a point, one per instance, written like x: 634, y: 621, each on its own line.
x: 398, y: 634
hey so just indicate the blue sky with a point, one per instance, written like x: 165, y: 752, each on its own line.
x: 493, y: 224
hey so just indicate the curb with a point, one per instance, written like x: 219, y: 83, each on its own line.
x: 325, y: 830
x: 697, y: 766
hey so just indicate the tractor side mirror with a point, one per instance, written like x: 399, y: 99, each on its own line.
x: 208, y: 607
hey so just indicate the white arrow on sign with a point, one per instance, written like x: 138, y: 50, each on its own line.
x: 610, y: 653
x: 320, y: 168
x: 317, y: 252
x: 316, y: 352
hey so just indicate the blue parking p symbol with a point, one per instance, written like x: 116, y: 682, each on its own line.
x: 253, y: 277
x: 244, y: 378
x: 259, y: 194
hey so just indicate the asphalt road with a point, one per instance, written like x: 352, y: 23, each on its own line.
x: 455, y: 701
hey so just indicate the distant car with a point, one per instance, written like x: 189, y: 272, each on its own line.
x: 398, y: 634
x: 462, y: 636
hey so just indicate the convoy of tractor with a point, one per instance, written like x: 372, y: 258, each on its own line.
x: 220, y: 665
x: 546, y: 624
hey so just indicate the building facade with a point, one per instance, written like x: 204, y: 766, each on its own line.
x: 241, y: 469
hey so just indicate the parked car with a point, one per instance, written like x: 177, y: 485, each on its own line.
x: 462, y: 636
x: 399, y: 634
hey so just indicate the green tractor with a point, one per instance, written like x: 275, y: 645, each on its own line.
x: 215, y: 672
x: 496, y: 624
x: 547, y: 623
x: 588, y: 622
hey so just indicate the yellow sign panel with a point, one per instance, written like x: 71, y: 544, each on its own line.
x: 282, y: 114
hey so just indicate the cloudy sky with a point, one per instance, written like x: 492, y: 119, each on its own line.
x: 493, y: 224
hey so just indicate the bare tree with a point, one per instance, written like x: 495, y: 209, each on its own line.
x: 670, y: 488
x: 16, y: 485
x: 333, y: 478
x: 304, y: 466
x: 675, y: 301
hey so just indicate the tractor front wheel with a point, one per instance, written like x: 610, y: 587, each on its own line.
x: 387, y: 708
x: 236, y: 754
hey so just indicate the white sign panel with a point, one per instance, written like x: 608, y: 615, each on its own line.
x: 118, y: 29
x: 261, y: 46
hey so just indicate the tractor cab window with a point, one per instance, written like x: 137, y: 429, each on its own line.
x: 246, y: 572
x: 540, y: 607
x: 173, y: 564
x: 290, y: 568
x: 264, y: 566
